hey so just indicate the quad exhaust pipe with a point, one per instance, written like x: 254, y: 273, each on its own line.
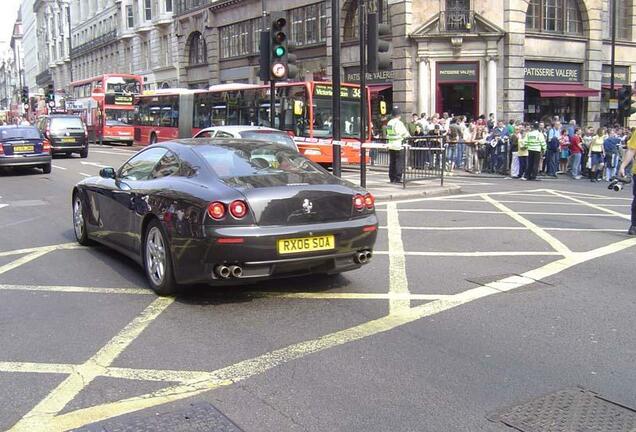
x: 226, y: 272
x: 363, y: 257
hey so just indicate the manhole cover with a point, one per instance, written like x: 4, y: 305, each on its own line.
x: 570, y: 410
x: 199, y: 417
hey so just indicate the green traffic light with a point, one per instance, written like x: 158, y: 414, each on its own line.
x: 279, y: 51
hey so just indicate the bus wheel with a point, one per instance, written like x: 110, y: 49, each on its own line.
x: 153, y: 138
x: 129, y: 143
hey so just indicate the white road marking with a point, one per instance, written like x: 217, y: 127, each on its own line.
x: 59, y: 167
x: 95, y: 164
x: 489, y: 228
x: 474, y: 254
x: 126, y: 153
x: 594, y: 206
x: 615, y: 214
x: 85, y: 175
x: 398, y: 281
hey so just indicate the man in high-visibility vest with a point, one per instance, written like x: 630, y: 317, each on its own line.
x: 534, y: 141
x: 396, y: 131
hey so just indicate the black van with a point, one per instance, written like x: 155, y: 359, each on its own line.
x: 66, y: 133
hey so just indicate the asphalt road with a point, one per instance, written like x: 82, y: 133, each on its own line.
x: 473, y: 303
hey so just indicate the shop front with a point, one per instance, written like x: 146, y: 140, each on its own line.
x: 555, y: 89
x: 380, y: 86
x: 457, y: 88
x: 621, y: 78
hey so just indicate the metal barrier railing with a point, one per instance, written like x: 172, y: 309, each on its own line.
x: 424, y: 159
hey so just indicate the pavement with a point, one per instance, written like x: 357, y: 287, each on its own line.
x: 473, y: 303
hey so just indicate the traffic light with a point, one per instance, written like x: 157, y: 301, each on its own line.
x: 263, y: 60
x: 378, y: 57
x: 292, y: 68
x: 50, y: 94
x: 278, y: 60
x: 626, y: 101
x: 25, y: 95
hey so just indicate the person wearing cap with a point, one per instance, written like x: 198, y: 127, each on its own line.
x: 396, y: 132
x: 534, y: 141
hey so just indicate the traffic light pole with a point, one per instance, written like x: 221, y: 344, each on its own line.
x: 363, y: 91
x: 613, y: 117
x: 335, y: 74
x: 272, y: 104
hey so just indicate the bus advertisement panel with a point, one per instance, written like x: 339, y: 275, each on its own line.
x: 304, y: 110
x: 106, y: 104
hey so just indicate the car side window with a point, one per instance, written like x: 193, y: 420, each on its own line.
x: 221, y: 134
x: 206, y: 134
x: 167, y: 166
x: 141, y: 166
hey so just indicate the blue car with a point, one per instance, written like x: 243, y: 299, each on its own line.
x: 24, y: 146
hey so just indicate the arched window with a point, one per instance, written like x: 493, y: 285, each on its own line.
x: 198, y: 53
x: 351, y: 24
x: 554, y: 16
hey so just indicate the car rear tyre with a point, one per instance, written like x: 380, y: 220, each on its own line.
x: 46, y: 169
x: 157, y: 260
x: 79, y: 221
x: 129, y: 143
x: 84, y: 153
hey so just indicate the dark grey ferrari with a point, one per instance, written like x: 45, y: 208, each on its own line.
x: 221, y: 211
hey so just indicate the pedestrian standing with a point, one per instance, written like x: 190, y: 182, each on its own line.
x: 413, y: 123
x: 576, y: 150
x: 514, y: 150
x: 396, y: 132
x: 535, y: 143
x: 522, y: 152
x: 629, y: 157
x: 611, y: 145
x: 564, y: 147
x: 596, y: 155
x: 554, y: 146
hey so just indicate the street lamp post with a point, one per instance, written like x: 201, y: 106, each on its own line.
x: 613, y: 116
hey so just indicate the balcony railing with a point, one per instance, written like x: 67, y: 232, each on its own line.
x: 94, y: 44
x: 457, y: 21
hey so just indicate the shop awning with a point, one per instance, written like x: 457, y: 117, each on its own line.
x: 563, y: 90
x: 616, y: 86
x: 377, y: 88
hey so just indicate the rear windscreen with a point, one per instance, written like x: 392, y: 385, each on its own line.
x: 263, y: 160
x: 19, y: 133
x: 66, y: 123
x: 272, y: 137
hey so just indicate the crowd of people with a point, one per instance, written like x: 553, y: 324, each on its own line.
x: 525, y: 150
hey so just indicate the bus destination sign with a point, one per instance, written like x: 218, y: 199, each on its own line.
x: 345, y: 92
x: 119, y: 99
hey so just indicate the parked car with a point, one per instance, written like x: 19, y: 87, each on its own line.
x: 24, y: 146
x: 259, y: 133
x: 217, y: 211
x: 66, y: 133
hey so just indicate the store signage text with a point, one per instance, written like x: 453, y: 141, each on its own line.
x: 345, y: 92
x: 376, y: 77
x: 553, y: 71
x: 457, y: 72
x: 621, y: 74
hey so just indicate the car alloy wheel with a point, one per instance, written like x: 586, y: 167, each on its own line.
x: 78, y: 218
x: 155, y: 256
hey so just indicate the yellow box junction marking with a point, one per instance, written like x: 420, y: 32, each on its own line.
x: 398, y: 282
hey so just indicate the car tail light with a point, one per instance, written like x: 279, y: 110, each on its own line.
x: 216, y: 210
x: 369, y: 201
x: 358, y: 202
x: 238, y: 209
x: 1, y: 149
x: 46, y: 146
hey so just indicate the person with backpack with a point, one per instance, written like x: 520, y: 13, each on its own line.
x: 396, y: 132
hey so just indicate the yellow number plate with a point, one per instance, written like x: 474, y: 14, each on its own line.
x: 23, y: 149
x: 68, y: 140
x: 306, y: 244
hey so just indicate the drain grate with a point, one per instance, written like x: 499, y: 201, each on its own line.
x: 570, y: 410
x: 199, y: 417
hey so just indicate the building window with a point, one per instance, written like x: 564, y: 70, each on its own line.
x: 148, y: 10
x: 165, y: 55
x: 130, y: 17
x: 554, y: 16
x: 309, y: 24
x: 351, y: 24
x: 240, y: 39
x: 168, y: 5
x: 623, y: 20
x: 198, y: 53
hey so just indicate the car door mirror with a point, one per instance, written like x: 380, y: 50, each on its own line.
x: 107, y: 173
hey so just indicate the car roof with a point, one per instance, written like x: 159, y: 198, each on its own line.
x: 18, y: 127
x: 219, y: 142
x: 236, y: 128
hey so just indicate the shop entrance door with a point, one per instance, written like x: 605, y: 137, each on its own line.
x: 457, y: 99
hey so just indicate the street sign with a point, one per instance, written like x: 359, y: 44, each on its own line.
x: 51, y: 103
x: 26, y: 107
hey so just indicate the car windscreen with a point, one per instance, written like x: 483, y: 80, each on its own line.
x: 270, y: 136
x: 63, y: 123
x: 245, y: 161
x: 12, y: 133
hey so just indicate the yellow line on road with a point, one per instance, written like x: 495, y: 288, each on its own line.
x: 41, y: 416
x: 63, y: 246
x: 456, y: 228
x: 50, y: 368
x: 75, y: 289
x: 551, y: 240
x: 398, y: 281
x: 350, y: 296
x: 21, y: 261
x: 248, y: 368
x: 594, y: 206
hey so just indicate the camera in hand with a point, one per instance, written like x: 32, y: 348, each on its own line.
x: 617, y: 183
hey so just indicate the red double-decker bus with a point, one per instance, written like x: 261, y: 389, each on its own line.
x: 106, y: 104
x: 303, y: 109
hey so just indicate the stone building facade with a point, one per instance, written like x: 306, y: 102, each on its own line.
x: 53, y: 44
x: 519, y: 59
x: 125, y: 36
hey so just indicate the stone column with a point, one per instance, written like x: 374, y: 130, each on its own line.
x: 491, y: 85
x: 594, y: 60
x: 403, y: 54
x: 514, y: 54
x: 423, y: 86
